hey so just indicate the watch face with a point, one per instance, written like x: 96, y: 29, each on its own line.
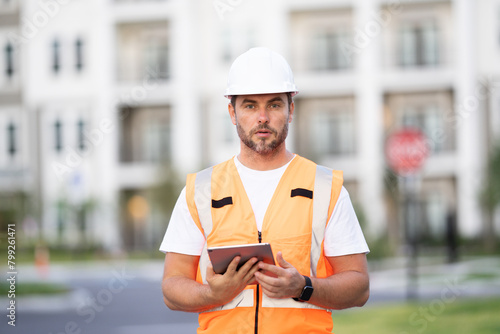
x: 306, y: 293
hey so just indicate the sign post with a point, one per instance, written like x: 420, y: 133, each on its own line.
x: 406, y: 152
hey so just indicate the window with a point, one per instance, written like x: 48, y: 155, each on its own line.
x: 156, y: 142
x: 56, y: 57
x: 419, y: 44
x: 8, y: 5
x: 143, y: 51
x: 322, y: 38
x: 234, y: 41
x: 157, y: 59
x: 430, y: 121
x: 146, y: 135
x: 326, y: 127
x: 332, y: 133
x: 81, y: 135
x: 429, y: 112
x: 11, y: 140
x: 79, y: 54
x: 435, y: 212
x: 9, y: 60
x: 438, y: 198
x: 58, y: 135
x: 327, y: 51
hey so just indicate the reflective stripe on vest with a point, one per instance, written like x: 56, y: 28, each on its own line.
x: 321, y: 203
x: 203, y: 200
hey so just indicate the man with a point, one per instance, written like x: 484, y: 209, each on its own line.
x: 265, y: 194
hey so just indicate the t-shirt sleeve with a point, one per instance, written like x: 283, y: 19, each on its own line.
x: 343, y: 234
x: 183, y: 235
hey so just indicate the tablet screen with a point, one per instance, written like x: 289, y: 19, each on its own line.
x: 222, y: 256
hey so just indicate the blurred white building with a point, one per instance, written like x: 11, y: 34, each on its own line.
x: 97, y: 96
x: 14, y: 145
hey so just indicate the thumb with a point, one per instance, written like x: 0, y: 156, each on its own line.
x: 282, y: 262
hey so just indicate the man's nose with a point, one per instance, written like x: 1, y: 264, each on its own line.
x: 263, y: 115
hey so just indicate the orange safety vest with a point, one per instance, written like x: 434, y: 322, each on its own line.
x: 294, y: 223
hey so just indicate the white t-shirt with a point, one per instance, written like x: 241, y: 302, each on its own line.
x: 343, y: 234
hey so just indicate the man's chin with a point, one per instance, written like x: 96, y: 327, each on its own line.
x: 265, y: 149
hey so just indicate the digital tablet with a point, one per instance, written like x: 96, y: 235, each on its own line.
x: 222, y: 256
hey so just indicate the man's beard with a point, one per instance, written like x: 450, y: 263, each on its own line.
x: 260, y: 146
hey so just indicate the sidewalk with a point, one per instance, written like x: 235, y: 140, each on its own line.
x: 473, y: 277
x: 78, y: 276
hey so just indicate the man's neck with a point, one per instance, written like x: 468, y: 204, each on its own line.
x: 257, y: 161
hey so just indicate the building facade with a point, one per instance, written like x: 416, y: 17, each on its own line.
x: 103, y: 102
x: 14, y: 141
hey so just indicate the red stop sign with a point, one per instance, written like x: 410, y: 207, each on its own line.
x: 406, y: 151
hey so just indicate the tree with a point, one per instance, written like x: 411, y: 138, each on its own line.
x: 490, y: 197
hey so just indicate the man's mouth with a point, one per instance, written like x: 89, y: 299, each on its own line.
x: 263, y: 133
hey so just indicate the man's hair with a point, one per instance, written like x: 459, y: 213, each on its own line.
x: 288, y: 95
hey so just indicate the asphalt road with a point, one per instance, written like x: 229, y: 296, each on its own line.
x: 126, y: 298
x: 110, y: 305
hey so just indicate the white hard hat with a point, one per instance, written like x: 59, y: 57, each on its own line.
x: 260, y: 71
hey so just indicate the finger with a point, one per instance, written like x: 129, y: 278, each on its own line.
x: 252, y: 281
x: 281, y: 261
x: 270, y: 294
x: 250, y: 275
x: 271, y: 268
x: 266, y: 280
x: 244, y: 269
x: 270, y: 289
x: 233, y: 266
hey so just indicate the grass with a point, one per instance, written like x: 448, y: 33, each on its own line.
x: 478, y: 316
x: 25, y: 289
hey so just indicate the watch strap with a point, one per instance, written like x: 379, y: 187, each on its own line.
x: 306, y: 291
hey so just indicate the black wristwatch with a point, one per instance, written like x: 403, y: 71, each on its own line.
x: 306, y: 292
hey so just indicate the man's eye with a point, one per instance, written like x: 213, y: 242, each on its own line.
x: 249, y: 106
x: 275, y: 105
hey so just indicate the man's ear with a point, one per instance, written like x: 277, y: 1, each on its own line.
x: 232, y: 113
x: 290, y: 112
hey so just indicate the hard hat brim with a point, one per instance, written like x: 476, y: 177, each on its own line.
x: 230, y: 95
